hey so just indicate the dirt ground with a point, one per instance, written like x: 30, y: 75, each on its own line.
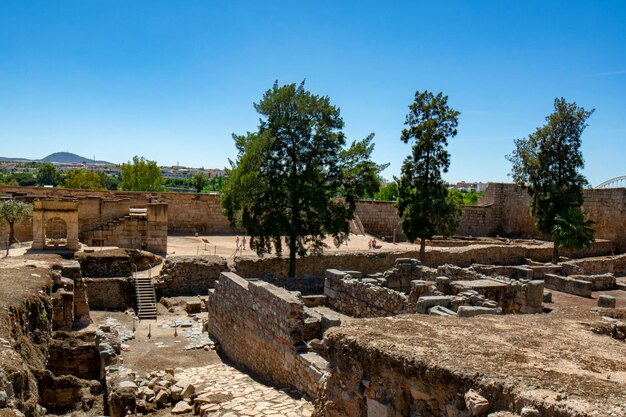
x: 162, y: 350
x: 554, y: 355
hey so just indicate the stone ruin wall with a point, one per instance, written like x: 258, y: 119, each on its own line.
x: 260, y: 327
x: 502, y: 211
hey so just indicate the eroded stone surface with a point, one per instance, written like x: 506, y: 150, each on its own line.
x: 224, y: 389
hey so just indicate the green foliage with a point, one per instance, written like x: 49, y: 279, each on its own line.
x: 294, y: 178
x: 109, y: 182
x: 43, y: 316
x: 81, y: 178
x: 388, y: 192
x: 572, y: 230
x: 468, y: 198
x: 424, y: 204
x: 548, y: 163
x: 11, y: 211
x: 47, y: 175
x: 141, y: 175
x: 199, y: 181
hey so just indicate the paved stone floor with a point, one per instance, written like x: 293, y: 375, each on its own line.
x: 240, y: 395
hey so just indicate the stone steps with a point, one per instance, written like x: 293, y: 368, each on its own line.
x: 146, y: 298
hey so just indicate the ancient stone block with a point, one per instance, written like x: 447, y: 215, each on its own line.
x: 426, y: 302
x: 476, y: 403
x: 469, y: 311
x: 606, y: 301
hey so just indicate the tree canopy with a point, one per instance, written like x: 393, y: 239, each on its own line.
x: 199, y: 181
x: 294, y: 178
x: 424, y: 204
x: 548, y: 163
x: 141, y: 175
x: 81, y: 178
x: 12, y: 211
x: 47, y: 175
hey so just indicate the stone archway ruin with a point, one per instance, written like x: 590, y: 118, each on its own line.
x: 55, y: 224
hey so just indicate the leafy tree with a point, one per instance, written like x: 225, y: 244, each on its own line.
x: 294, y: 178
x: 548, y: 163
x: 110, y: 182
x: 11, y: 211
x: 81, y: 178
x: 424, y: 204
x: 466, y: 197
x: 141, y: 175
x: 388, y: 192
x: 199, y: 181
x: 47, y: 175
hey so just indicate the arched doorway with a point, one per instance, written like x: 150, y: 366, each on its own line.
x: 56, y: 232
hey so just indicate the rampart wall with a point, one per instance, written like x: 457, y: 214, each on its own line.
x: 502, y: 211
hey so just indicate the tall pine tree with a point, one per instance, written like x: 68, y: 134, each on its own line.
x: 548, y: 163
x: 424, y: 205
x: 294, y: 179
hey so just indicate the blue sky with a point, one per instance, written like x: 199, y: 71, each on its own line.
x: 171, y: 80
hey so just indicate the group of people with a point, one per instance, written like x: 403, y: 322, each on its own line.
x: 243, y: 243
x: 372, y: 244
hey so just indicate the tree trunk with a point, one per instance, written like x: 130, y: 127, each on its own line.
x: 11, y: 233
x: 292, y: 257
x: 555, y: 254
x: 422, y: 250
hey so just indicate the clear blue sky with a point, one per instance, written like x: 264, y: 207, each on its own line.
x: 171, y: 80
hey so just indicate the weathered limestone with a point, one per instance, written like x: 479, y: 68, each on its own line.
x: 363, y: 299
x: 606, y: 301
x: 261, y: 327
x: 45, y: 211
x: 568, y: 285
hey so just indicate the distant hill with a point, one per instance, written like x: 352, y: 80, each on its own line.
x: 3, y: 159
x: 69, y: 158
x: 59, y: 157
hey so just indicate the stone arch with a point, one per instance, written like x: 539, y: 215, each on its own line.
x: 51, y: 218
x: 55, y: 231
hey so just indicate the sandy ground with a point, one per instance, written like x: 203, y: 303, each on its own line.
x: 163, y: 349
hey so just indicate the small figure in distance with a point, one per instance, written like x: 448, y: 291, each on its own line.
x: 243, y: 243
x: 369, y: 244
x: 237, y: 243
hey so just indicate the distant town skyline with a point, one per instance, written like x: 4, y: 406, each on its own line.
x: 172, y: 82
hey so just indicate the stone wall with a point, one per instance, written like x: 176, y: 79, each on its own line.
x: 361, y: 299
x: 260, y: 327
x: 110, y: 293
x: 115, y: 262
x: 187, y: 275
x: 502, y: 211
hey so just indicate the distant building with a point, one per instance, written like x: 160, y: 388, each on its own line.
x: 468, y: 186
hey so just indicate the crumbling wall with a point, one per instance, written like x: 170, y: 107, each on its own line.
x: 362, y: 299
x: 189, y: 275
x: 111, y: 293
x: 260, y: 326
x: 115, y: 262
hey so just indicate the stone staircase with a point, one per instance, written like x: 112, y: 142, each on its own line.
x: 146, y: 298
x: 97, y: 231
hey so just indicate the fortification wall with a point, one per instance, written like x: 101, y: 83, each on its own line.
x: 260, y: 327
x: 502, y: 211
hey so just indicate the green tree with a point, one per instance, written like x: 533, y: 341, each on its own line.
x: 47, y: 175
x: 199, y: 181
x: 81, y: 178
x: 12, y: 211
x: 141, y: 175
x: 294, y: 178
x: 548, y: 163
x: 424, y: 204
x: 388, y: 192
